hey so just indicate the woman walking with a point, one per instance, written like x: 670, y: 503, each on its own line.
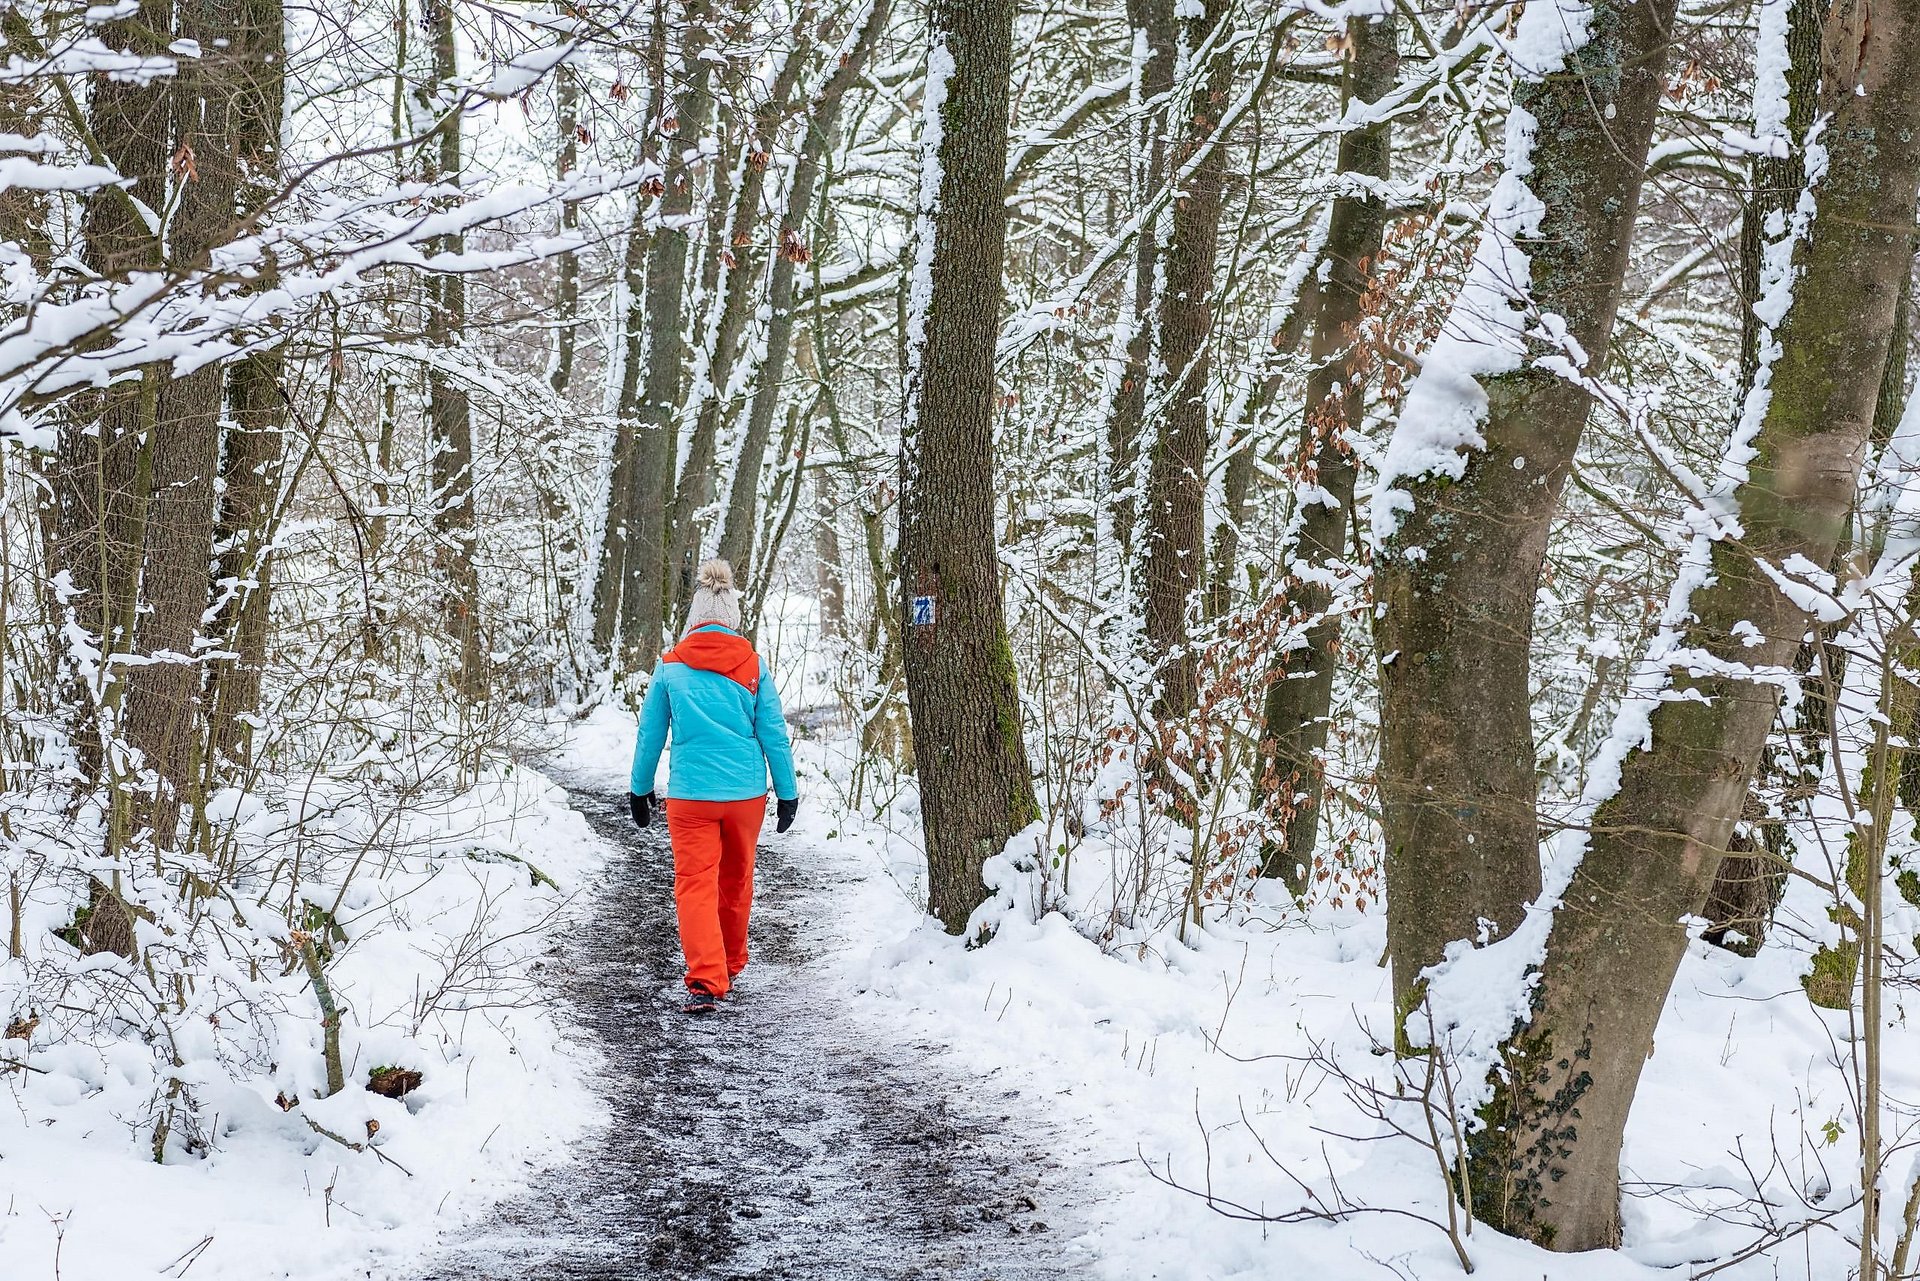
x: 713, y: 693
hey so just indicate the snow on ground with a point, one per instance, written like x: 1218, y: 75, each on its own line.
x: 1217, y: 1065
x: 1224, y: 1066
x: 441, y: 975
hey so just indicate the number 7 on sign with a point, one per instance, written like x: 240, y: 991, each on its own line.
x: 921, y: 615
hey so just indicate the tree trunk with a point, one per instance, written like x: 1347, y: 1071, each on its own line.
x: 1153, y: 27
x: 255, y: 444
x: 1179, y: 366
x: 821, y: 136
x: 611, y: 582
x: 693, y: 477
x: 1298, y: 700
x: 1752, y: 877
x: 218, y: 122
x: 741, y: 266
x: 23, y: 210
x: 1456, y: 583
x: 449, y: 415
x: 566, y: 302
x: 976, y: 789
x: 1753, y: 874
x: 642, y: 601
x: 98, y: 475
x: 1550, y: 1168
x: 94, y: 552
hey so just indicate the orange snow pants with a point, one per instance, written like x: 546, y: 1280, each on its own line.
x: 713, y: 884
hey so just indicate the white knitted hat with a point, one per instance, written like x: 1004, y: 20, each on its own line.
x: 715, y: 601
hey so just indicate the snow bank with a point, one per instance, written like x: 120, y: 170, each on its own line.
x: 1215, y: 1068
x: 442, y: 972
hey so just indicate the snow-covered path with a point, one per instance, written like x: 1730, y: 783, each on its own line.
x: 787, y: 1136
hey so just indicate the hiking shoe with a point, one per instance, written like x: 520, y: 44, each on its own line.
x: 700, y: 1000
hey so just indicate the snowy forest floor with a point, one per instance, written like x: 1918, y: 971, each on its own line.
x: 881, y: 1101
x: 786, y: 1136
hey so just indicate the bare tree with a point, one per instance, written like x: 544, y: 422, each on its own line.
x: 655, y: 410
x: 1179, y: 358
x: 821, y: 125
x: 449, y: 413
x: 1300, y: 696
x: 254, y: 447
x: 1150, y: 87
x: 740, y: 263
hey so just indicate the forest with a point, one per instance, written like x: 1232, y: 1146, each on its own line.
x: 1344, y: 576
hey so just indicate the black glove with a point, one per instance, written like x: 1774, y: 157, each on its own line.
x: 641, y: 807
x: 783, y: 812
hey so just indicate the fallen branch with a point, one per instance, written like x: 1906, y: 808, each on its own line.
x: 344, y: 1142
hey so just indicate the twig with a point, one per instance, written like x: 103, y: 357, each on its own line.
x: 325, y: 1133
x: 329, y: 1012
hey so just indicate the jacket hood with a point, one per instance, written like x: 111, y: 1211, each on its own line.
x: 713, y: 650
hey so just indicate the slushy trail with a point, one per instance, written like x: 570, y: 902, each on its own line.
x: 784, y: 1136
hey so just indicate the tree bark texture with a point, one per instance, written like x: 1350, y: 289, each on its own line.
x: 1153, y: 29
x: 1457, y: 582
x: 1550, y: 1168
x: 99, y: 474
x: 1753, y: 876
x: 1297, y: 703
x: 742, y: 263
x: 821, y: 136
x: 225, y: 99
x: 610, y: 585
x: 976, y: 788
x: 1179, y: 366
x: 23, y: 210
x: 449, y: 415
x: 95, y: 526
x: 254, y: 445
x: 643, y: 601
x: 566, y: 101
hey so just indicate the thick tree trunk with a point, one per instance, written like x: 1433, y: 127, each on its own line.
x: 1294, y: 733
x: 1179, y: 366
x: 1153, y: 28
x: 1550, y: 1169
x: 642, y: 599
x: 1752, y: 877
x: 976, y: 789
x: 449, y: 415
x: 821, y: 136
x: 94, y: 552
x: 219, y: 119
x: 99, y: 479
x: 1456, y: 583
x: 163, y: 707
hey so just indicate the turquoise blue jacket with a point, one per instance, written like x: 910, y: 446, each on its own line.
x: 726, y: 735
